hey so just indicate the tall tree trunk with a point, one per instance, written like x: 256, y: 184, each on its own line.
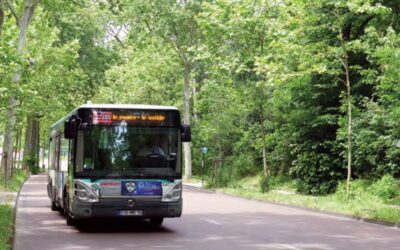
x: 186, y: 120
x: 15, y: 156
x: 28, y: 142
x: 44, y: 146
x: 20, y: 149
x: 349, y: 123
x: 8, y: 137
x: 31, y: 149
x: 18, y: 154
x: 23, y: 23
x: 36, y: 138
x: 263, y: 135
x: 194, y: 95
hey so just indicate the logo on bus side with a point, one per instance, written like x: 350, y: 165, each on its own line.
x: 130, y: 186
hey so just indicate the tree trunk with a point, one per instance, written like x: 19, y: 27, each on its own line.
x: 349, y: 125
x: 20, y: 149
x: 263, y: 135
x: 15, y: 156
x: 8, y: 137
x: 31, y: 149
x: 186, y: 120
x: 36, y: 138
x: 44, y: 146
x: 28, y: 142
x: 19, y: 142
x: 29, y: 8
x: 194, y: 93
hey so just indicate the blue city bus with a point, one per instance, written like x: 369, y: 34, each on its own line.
x: 109, y: 160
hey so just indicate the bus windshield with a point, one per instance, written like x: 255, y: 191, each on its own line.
x: 123, y: 151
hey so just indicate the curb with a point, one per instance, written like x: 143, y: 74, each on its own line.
x: 15, y: 211
x: 395, y: 225
x: 199, y: 189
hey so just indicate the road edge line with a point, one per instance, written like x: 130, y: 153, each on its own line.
x: 199, y: 189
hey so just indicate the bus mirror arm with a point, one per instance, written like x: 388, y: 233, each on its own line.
x: 186, y: 134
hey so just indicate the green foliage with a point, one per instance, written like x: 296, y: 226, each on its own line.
x: 265, y: 184
x: 254, y: 66
x: 358, y: 191
x: 6, y: 227
x: 32, y: 162
x: 361, y: 202
x: 387, y: 188
x: 14, y: 184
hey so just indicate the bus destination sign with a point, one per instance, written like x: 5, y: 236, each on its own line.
x: 109, y: 117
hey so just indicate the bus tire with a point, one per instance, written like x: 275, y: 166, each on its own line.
x: 156, y: 221
x: 53, y: 206
x: 70, y: 221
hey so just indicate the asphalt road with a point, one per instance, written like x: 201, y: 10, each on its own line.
x: 209, y: 221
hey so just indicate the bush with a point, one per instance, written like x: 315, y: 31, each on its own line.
x: 317, y: 173
x: 264, y: 184
x: 358, y: 190
x: 221, y: 178
x: 386, y: 188
x: 33, y: 164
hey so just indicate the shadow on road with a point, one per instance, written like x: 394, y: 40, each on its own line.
x: 120, y: 226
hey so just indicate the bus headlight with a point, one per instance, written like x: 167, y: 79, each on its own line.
x: 174, y: 193
x: 84, y: 193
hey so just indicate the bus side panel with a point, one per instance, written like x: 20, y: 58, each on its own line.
x: 50, y: 183
x: 51, y: 176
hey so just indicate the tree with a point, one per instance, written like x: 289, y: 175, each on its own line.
x: 174, y: 23
x: 23, y: 22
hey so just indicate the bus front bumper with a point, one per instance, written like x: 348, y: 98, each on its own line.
x: 126, y: 207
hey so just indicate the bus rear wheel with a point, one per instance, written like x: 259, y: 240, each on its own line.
x: 157, y: 221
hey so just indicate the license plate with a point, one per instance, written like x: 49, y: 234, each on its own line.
x: 130, y: 212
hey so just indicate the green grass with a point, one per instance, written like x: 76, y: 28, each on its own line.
x: 6, y: 227
x: 361, y: 204
x: 7, y: 212
x: 15, y: 182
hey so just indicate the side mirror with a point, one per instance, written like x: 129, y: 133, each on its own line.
x: 186, y: 134
x: 71, y: 128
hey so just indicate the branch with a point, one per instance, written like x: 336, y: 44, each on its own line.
x: 361, y: 29
x: 13, y: 11
x: 33, y: 3
x: 115, y: 35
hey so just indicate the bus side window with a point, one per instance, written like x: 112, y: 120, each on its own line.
x: 79, y: 152
x: 51, y: 153
x: 57, y: 155
x: 64, y: 153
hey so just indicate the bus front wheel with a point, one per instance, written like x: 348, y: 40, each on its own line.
x: 156, y: 221
x: 54, y: 206
x: 70, y: 221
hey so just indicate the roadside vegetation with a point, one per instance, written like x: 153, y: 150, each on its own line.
x: 7, y: 211
x: 378, y: 200
x: 13, y: 184
x: 6, y: 226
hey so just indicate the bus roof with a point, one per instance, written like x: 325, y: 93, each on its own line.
x: 114, y: 106
x: 128, y: 106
